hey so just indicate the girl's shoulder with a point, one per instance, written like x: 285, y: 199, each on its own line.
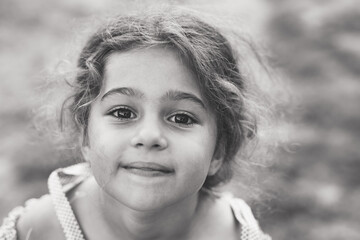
x: 39, y: 218
x: 248, y: 226
x: 35, y: 220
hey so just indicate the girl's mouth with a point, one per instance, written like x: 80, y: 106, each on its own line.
x: 148, y: 169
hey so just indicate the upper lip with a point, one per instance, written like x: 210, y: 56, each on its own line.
x: 148, y: 166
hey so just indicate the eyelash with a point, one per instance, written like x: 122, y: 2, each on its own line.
x: 186, y: 115
x: 115, y: 113
x: 191, y: 120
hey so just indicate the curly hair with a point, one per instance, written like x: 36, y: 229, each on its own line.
x: 206, y: 52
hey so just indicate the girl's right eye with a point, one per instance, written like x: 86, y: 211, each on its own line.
x: 122, y: 113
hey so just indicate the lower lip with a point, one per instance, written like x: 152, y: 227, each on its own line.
x: 147, y: 172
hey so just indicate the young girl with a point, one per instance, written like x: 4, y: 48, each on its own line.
x: 161, y: 109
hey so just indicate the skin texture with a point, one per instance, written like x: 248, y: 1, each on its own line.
x: 151, y: 144
x: 145, y: 125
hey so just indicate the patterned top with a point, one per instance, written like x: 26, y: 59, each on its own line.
x: 64, y: 179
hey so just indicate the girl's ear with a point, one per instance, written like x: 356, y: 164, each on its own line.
x: 85, y: 151
x: 216, y: 162
x: 215, y: 165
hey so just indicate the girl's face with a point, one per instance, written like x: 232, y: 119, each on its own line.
x: 151, y: 134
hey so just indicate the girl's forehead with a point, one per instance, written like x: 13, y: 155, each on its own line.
x: 150, y: 69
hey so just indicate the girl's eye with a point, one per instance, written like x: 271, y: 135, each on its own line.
x: 182, y: 118
x: 123, y: 113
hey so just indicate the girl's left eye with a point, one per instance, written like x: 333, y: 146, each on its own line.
x: 122, y: 113
x: 183, y: 119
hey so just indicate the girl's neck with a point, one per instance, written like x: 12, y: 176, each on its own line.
x: 172, y: 222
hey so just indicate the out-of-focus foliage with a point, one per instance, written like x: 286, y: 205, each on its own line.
x: 316, y: 184
x: 317, y: 43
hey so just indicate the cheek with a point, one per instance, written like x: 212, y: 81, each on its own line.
x: 99, y: 168
x: 105, y: 141
x: 195, y: 161
x: 104, y: 153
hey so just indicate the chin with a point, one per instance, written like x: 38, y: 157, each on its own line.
x: 143, y: 200
x: 146, y: 204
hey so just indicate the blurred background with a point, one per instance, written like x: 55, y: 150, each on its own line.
x: 316, y: 43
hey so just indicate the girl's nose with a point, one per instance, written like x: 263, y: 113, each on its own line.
x: 149, y: 136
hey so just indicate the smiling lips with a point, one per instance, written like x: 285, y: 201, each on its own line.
x: 147, y: 169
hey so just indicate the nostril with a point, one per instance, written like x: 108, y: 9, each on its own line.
x: 148, y: 141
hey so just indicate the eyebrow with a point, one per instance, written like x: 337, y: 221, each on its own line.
x: 172, y: 95
x: 124, y: 91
